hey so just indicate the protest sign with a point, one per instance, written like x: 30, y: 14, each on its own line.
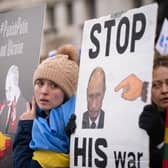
x: 20, y: 34
x: 117, y: 51
x: 162, y: 42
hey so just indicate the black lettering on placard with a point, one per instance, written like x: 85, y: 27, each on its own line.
x: 103, y: 161
x: 139, y: 155
x: 127, y: 160
x: 139, y: 17
x: 123, y: 22
x: 131, y: 160
x: 129, y: 37
x: 119, y: 159
x: 96, y: 27
x: 85, y: 152
x: 80, y: 152
x: 108, y: 25
x: 90, y: 153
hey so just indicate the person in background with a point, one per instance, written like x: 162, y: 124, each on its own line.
x: 152, y: 119
x: 43, y: 134
x: 94, y: 117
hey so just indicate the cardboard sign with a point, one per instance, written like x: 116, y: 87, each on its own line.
x: 20, y: 34
x: 118, y: 50
x: 162, y: 43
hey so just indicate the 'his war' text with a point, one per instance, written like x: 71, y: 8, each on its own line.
x: 122, y: 159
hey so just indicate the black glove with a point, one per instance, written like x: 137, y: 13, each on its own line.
x: 151, y: 121
x: 71, y: 126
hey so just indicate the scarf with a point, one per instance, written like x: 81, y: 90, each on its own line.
x: 49, y: 159
x: 49, y: 134
x: 165, y: 154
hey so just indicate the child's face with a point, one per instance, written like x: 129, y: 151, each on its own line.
x: 48, y: 95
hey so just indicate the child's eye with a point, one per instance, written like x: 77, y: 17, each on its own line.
x: 39, y: 82
x: 52, y: 85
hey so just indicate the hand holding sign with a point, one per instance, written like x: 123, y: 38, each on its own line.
x: 132, y: 87
x: 30, y: 111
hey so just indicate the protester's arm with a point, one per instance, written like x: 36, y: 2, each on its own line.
x: 22, y: 154
x: 151, y: 121
x: 69, y: 116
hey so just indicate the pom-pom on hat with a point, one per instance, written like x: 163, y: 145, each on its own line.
x: 61, y: 69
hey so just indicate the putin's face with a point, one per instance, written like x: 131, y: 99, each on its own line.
x: 95, y: 95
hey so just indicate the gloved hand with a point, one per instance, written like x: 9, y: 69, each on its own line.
x: 151, y: 121
x: 71, y: 126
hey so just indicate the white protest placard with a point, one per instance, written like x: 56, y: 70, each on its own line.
x: 162, y: 42
x: 123, y: 47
